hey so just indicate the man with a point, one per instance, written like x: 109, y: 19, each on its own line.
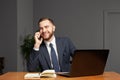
x: 42, y: 53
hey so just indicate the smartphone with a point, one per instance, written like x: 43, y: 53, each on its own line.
x: 40, y: 37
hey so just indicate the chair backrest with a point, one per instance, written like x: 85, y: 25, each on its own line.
x: 1, y: 64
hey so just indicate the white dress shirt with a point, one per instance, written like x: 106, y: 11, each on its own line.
x: 49, y: 48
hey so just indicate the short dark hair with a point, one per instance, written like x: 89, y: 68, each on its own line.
x: 45, y: 18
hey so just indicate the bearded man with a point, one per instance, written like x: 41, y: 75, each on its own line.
x: 50, y: 52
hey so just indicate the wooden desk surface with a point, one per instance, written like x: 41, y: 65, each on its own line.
x: 20, y: 76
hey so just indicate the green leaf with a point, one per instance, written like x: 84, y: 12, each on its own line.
x: 27, y: 46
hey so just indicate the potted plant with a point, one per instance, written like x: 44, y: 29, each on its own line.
x: 27, y: 46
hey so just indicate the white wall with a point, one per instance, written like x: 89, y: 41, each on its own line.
x: 81, y: 20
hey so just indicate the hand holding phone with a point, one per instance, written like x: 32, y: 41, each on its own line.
x: 38, y: 39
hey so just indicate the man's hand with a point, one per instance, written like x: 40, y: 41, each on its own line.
x: 38, y: 40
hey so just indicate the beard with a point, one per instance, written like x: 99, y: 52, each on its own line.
x: 49, y: 36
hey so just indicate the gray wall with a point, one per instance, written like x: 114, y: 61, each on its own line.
x: 24, y: 27
x: 16, y: 21
x: 81, y: 20
x: 8, y: 33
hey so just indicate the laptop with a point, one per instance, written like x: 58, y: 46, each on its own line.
x: 87, y: 63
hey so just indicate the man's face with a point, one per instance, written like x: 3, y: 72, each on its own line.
x: 46, y: 29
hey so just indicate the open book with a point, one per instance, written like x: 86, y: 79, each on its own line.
x: 46, y: 73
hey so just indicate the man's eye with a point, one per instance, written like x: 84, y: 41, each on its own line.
x: 46, y: 26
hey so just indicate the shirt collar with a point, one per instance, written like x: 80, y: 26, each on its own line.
x: 52, y: 41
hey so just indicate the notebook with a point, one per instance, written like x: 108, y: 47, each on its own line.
x: 87, y: 63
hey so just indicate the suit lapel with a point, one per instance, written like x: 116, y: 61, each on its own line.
x: 46, y: 55
x: 60, y: 50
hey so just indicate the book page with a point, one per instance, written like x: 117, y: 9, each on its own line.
x: 46, y: 73
x: 32, y: 75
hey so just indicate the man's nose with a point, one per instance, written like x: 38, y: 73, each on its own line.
x: 44, y: 29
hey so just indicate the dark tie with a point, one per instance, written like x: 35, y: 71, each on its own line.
x: 54, y: 58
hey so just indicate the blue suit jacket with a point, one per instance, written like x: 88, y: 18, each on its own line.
x: 41, y: 58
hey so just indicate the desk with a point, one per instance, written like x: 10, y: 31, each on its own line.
x: 20, y: 76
